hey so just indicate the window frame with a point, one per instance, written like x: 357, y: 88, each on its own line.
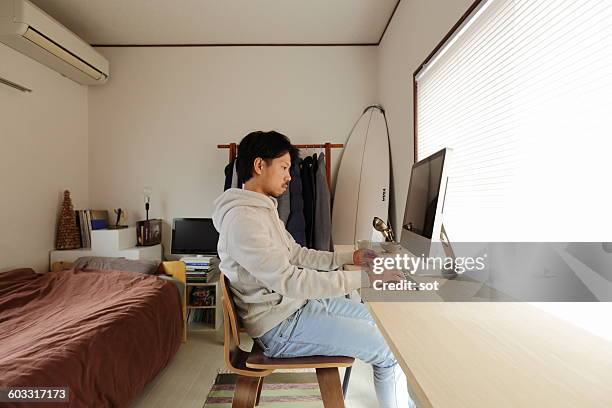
x: 443, y: 42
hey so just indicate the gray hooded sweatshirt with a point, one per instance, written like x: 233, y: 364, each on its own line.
x: 271, y: 276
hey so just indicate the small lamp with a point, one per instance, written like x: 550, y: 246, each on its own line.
x: 147, y: 199
x: 148, y: 232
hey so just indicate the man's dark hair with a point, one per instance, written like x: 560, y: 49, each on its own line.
x: 267, y: 145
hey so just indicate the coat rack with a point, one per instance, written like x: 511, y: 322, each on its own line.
x: 233, y: 150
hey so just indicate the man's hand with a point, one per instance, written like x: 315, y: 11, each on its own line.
x: 387, y: 275
x: 363, y: 256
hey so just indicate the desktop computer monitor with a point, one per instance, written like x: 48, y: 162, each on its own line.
x: 422, y: 222
x: 194, y: 236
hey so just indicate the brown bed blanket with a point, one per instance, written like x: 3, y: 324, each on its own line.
x: 103, y: 334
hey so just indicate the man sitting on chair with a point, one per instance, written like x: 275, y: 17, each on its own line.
x: 290, y: 298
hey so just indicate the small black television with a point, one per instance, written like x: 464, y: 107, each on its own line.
x: 194, y: 236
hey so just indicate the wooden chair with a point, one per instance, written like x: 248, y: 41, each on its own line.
x: 176, y: 269
x: 252, y: 367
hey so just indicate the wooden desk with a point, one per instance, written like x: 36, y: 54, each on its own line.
x: 494, y: 355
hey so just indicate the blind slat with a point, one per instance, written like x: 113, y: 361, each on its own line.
x: 523, y: 95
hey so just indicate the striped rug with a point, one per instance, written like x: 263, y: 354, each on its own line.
x: 280, y: 390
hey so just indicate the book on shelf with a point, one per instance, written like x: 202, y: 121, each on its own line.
x: 201, y: 277
x: 198, y: 264
x: 206, y: 316
x: 84, y: 227
x: 197, y: 280
x: 78, y: 225
x: 197, y: 268
x: 202, y: 296
x: 198, y: 272
x: 197, y: 260
x: 99, y: 219
x: 80, y: 222
x: 197, y: 275
x: 88, y: 224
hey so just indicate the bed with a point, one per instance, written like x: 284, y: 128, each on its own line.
x: 103, y: 333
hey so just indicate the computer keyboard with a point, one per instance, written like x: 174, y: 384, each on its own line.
x: 409, y: 278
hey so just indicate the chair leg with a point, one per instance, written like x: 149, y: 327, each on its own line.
x: 331, y: 390
x: 259, y: 387
x: 245, y: 393
x: 345, y: 382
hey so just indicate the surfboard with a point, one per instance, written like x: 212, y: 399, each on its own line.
x: 362, y: 182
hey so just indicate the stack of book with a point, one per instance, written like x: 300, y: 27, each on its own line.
x: 88, y: 220
x: 83, y: 218
x: 206, y: 316
x: 199, y: 269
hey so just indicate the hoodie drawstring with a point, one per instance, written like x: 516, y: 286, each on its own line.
x: 280, y: 227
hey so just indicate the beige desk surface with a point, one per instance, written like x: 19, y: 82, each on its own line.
x: 495, y: 355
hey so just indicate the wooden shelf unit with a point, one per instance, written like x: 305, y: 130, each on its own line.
x: 178, y: 270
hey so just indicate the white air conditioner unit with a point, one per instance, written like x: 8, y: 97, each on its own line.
x: 31, y: 31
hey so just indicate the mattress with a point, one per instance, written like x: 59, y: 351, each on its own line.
x: 102, y: 334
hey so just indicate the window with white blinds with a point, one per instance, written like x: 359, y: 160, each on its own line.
x: 522, y: 93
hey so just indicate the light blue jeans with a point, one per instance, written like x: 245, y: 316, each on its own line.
x: 340, y: 327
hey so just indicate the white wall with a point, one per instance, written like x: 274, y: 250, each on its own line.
x: 43, y: 139
x: 158, y: 120
x: 417, y: 27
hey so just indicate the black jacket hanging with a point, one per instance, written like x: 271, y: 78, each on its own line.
x: 308, y: 191
x: 321, y: 239
x: 296, y: 224
x: 229, y: 171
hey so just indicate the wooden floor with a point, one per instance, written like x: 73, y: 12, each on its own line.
x: 186, y: 381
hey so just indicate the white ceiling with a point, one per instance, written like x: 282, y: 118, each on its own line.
x: 223, y: 21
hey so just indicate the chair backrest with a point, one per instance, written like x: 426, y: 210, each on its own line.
x: 230, y: 317
x: 235, y: 357
x: 176, y: 269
